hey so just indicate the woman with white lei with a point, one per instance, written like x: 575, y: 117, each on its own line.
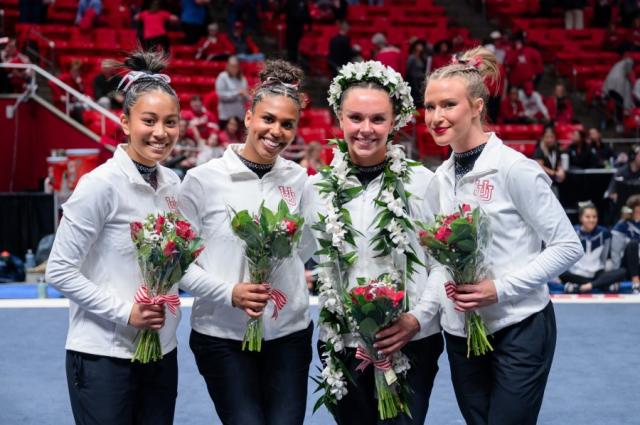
x: 365, y: 202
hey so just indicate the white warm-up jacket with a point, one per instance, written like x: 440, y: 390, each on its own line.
x: 207, y: 195
x: 363, y: 211
x: 93, y: 260
x: 523, y: 213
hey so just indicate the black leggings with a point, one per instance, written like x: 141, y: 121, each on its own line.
x: 630, y: 260
x: 601, y: 280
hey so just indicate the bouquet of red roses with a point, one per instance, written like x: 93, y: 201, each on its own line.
x: 269, y: 238
x: 166, y: 245
x: 458, y: 241
x: 374, y: 305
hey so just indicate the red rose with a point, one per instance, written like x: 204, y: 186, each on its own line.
x: 159, y: 223
x: 443, y: 234
x: 398, y: 297
x: 466, y: 208
x: 168, y: 248
x: 183, y: 229
x: 290, y: 227
x: 135, y: 227
x: 191, y: 235
x: 423, y: 234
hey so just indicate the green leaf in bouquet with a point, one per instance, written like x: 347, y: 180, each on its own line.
x: 368, y: 328
x: 281, y: 247
x: 283, y: 210
x: 361, y: 280
x: 467, y: 245
x: 368, y: 308
x: 267, y: 219
x: 350, y: 258
x: 176, y: 274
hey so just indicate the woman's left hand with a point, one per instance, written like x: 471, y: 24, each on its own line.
x: 471, y: 297
x: 396, y: 336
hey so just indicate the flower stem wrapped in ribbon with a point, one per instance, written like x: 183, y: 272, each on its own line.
x: 374, y: 305
x: 458, y: 241
x: 269, y: 237
x: 166, y: 245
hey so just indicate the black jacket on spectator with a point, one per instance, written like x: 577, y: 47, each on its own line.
x: 340, y: 52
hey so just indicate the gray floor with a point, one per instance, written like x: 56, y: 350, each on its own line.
x: 595, y: 377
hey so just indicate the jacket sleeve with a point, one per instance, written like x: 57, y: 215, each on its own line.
x: 197, y: 281
x: 308, y: 243
x: 533, y: 199
x: 618, y: 243
x: 427, y: 307
x: 92, y: 205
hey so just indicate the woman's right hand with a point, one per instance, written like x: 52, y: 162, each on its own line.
x: 147, y: 316
x: 250, y: 297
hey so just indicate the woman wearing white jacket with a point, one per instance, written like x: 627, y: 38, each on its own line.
x: 93, y: 263
x: 270, y: 386
x: 368, y: 176
x: 506, y: 385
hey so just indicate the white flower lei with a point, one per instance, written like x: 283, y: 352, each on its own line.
x: 374, y: 71
x: 392, y: 223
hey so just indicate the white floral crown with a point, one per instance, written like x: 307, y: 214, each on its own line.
x: 374, y: 71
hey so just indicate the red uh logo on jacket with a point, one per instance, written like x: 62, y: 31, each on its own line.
x: 288, y: 195
x: 483, y: 190
x: 171, y: 203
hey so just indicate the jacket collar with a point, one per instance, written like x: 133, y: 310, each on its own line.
x: 237, y: 168
x: 124, y: 161
x: 487, y: 162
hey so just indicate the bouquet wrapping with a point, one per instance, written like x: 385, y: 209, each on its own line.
x: 459, y: 241
x: 165, y: 247
x: 269, y: 238
x: 375, y: 304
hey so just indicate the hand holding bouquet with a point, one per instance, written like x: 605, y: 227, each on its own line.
x: 458, y: 241
x: 269, y: 238
x: 166, y: 245
x: 374, y: 305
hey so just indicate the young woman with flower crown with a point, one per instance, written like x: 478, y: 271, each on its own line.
x: 506, y: 385
x: 366, y: 200
x: 269, y: 386
x: 93, y: 263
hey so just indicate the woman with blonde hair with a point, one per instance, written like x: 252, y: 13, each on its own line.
x: 506, y: 385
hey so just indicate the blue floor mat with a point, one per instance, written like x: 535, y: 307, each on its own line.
x: 25, y: 290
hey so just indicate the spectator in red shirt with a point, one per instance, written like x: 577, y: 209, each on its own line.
x: 559, y: 106
x: 215, y: 46
x: 19, y: 78
x: 512, y: 110
x: 386, y: 53
x: 524, y: 63
x: 63, y: 100
x: 199, y: 117
x: 154, y: 22
x: 233, y: 132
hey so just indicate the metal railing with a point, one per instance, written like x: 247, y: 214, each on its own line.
x: 72, y: 96
x: 50, y: 61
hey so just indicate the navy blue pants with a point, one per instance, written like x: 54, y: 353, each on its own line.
x: 110, y: 391
x: 505, y: 386
x: 249, y: 388
x: 360, y: 407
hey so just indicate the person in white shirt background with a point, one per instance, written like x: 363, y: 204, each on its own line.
x: 269, y: 386
x: 372, y: 102
x: 93, y: 263
x: 506, y: 385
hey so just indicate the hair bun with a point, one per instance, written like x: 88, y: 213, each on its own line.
x: 281, y: 71
x: 152, y: 62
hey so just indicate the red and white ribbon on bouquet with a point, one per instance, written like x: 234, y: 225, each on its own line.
x: 362, y: 354
x: 171, y: 300
x: 279, y: 299
x: 450, y: 289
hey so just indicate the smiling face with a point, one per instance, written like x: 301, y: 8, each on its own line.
x: 450, y: 115
x: 589, y: 219
x: 271, y: 127
x: 152, y: 127
x: 366, y: 118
